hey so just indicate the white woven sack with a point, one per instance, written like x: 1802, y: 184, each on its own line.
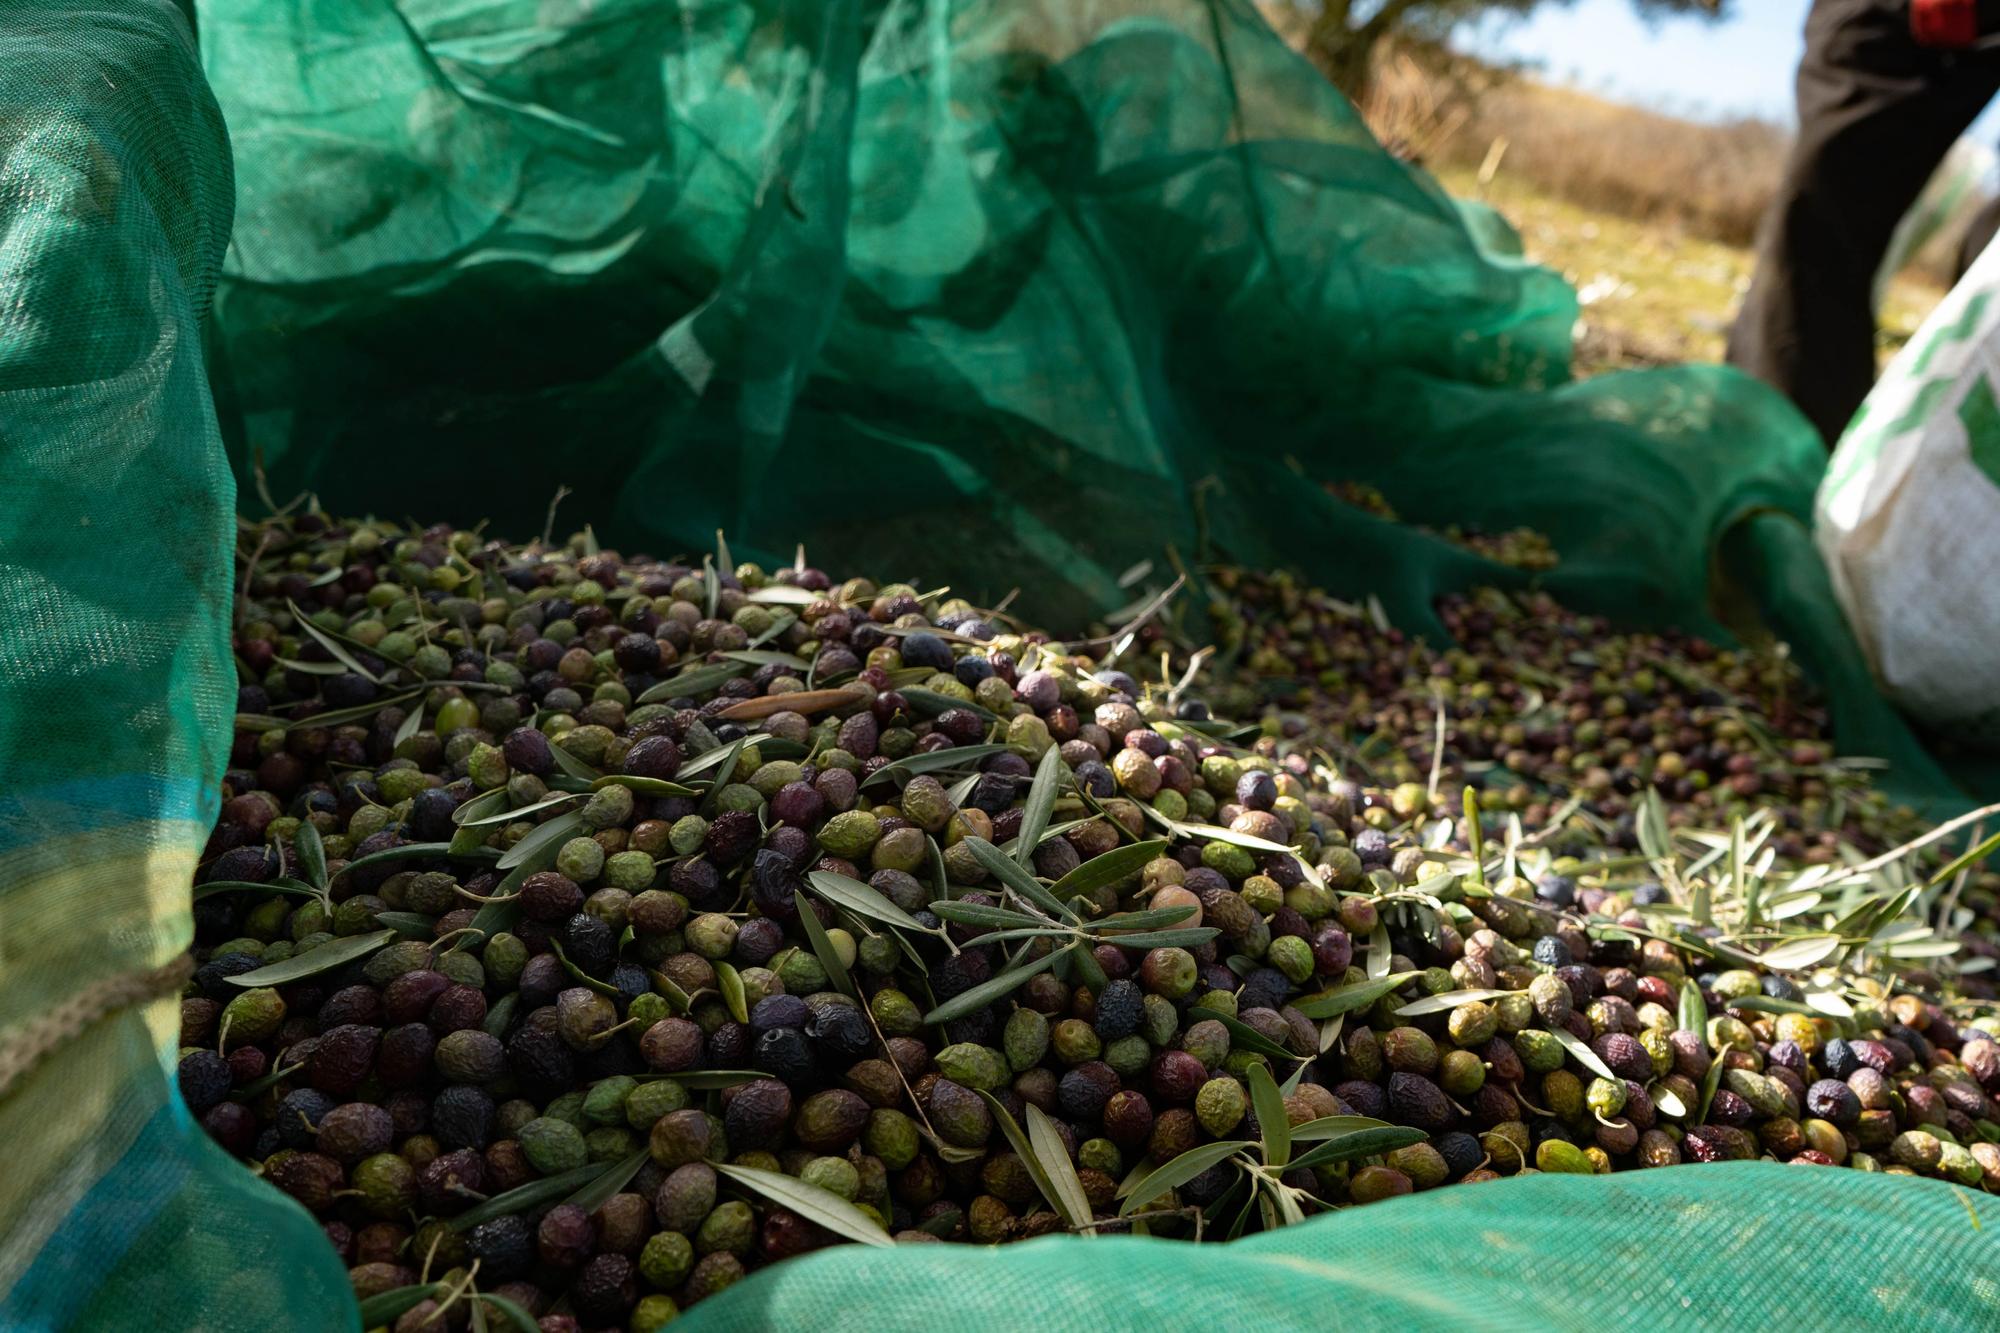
x: 1908, y: 518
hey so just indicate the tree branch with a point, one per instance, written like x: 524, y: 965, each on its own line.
x: 1385, y: 19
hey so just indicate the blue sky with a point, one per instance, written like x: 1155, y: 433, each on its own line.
x: 1692, y: 66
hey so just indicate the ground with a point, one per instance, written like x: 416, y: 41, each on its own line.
x: 1651, y: 294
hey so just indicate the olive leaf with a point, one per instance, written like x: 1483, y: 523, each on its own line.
x: 581, y: 977
x: 482, y: 819
x: 822, y: 947
x: 1666, y: 1100
x: 801, y: 701
x: 1150, y: 919
x: 1274, y: 1127
x: 692, y: 683
x: 410, y: 851
x: 503, y: 909
x: 1582, y: 1053
x: 411, y: 725
x: 1693, y: 1015
x: 286, y: 886
x: 1796, y: 954
x: 725, y: 765
x: 1031, y: 1160
x: 1360, y: 1143
x: 1437, y: 1004
x: 522, y: 1321
x: 930, y: 703
x: 410, y: 925
x: 250, y: 1091
x: 532, y: 1195
x: 311, y: 853
x: 666, y: 985
x: 1767, y: 1004
x: 785, y: 594
x: 1709, y: 1083
x: 1970, y: 857
x: 547, y: 837
x: 1192, y: 937
x: 1287, y: 1199
x: 932, y: 761
x: 1010, y: 873
x: 1053, y: 1155
x: 1041, y: 802
x: 332, y: 954
x: 1329, y: 1032
x: 940, y: 882
x: 1242, y: 1036
x: 767, y: 657
x: 501, y: 1016
x: 486, y: 803
x: 1215, y: 833
x: 780, y: 622
x: 359, y: 712
x: 594, y: 1195
x: 1929, y: 948
x: 1347, y: 999
x: 1379, y: 952
x: 1250, y: 1198
x: 1178, y: 1172
x: 810, y: 1202
x: 570, y: 764
x: 332, y: 645
x: 1654, y: 839
x: 386, y: 1307
x: 1037, y: 931
x: 1013, y: 845
x: 730, y: 982
x: 710, y: 1080
x: 986, y: 992
x: 979, y: 914
x: 643, y: 786
x: 1087, y: 967
x: 1331, y: 1126
x: 311, y: 669
x: 867, y: 901
x: 1106, y: 869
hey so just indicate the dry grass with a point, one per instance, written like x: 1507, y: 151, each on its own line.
x: 1651, y: 295
x: 1713, y: 181
x: 1650, y: 217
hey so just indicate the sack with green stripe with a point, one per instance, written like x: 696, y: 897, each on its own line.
x: 1907, y: 513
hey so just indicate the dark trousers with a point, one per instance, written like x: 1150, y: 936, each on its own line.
x: 1877, y: 113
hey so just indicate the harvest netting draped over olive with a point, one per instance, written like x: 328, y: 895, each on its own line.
x: 1014, y: 292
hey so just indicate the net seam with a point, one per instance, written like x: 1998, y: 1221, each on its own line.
x: 22, y: 1049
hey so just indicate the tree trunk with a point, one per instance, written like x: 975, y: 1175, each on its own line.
x: 1345, y: 52
x: 1346, y: 56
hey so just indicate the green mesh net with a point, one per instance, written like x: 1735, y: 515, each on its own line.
x: 1004, y: 292
x: 116, y: 518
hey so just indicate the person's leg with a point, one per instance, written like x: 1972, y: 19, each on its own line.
x: 1876, y: 116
